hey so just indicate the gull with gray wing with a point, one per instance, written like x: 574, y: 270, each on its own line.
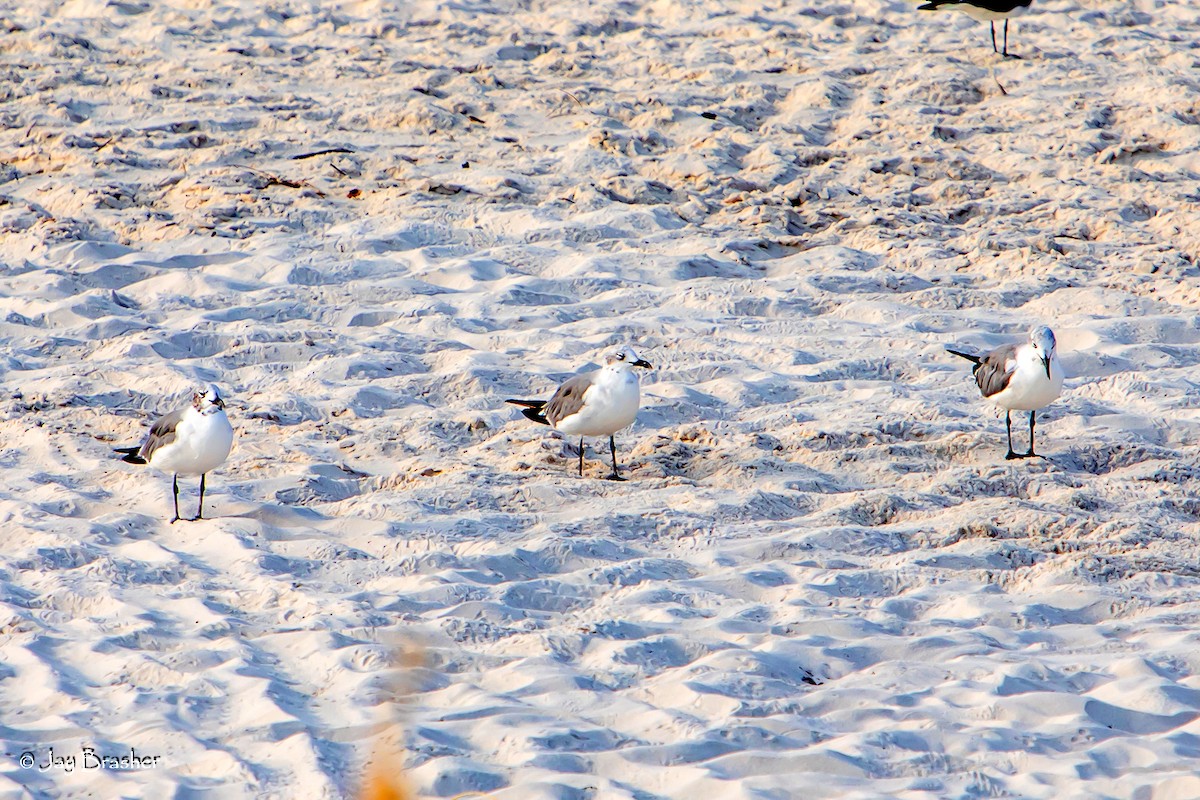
x: 597, y: 403
x: 1020, y: 377
x: 192, y: 440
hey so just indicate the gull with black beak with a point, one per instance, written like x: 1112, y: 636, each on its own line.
x: 192, y: 440
x: 1020, y: 377
x: 983, y: 11
x: 597, y: 403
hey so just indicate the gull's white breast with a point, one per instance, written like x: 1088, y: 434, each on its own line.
x: 609, y: 404
x: 1029, y: 389
x: 202, y: 443
x: 982, y: 14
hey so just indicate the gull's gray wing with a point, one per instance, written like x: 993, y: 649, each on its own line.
x: 569, y: 398
x: 162, y: 433
x: 995, y: 369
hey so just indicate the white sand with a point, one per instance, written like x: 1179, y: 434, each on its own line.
x: 821, y: 581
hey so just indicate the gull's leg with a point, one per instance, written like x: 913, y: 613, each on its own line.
x: 581, y: 456
x: 994, y: 50
x: 200, y: 508
x: 175, y: 492
x: 1032, y: 414
x: 1008, y: 423
x: 612, y: 445
x: 1007, y: 54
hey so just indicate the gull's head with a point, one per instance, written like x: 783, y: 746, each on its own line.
x: 624, y: 357
x: 1041, y: 339
x: 208, y: 400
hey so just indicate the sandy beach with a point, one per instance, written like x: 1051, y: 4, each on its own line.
x: 370, y: 224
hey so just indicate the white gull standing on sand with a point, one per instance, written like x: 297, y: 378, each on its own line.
x: 1020, y: 377
x: 983, y: 11
x: 189, y: 441
x: 597, y: 403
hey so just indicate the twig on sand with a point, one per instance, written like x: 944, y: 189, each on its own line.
x: 573, y: 97
x: 1003, y: 91
x: 275, y: 180
x: 325, y: 152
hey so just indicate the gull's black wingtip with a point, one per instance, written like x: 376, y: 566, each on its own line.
x: 973, y: 359
x: 536, y: 415
x: 532, y: 409
x: 130, y: 455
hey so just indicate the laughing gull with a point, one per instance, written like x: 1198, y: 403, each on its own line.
x: 597, y: 403
x: 983, y: 11
x: 1020, y: 377
x: 189, y: 441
